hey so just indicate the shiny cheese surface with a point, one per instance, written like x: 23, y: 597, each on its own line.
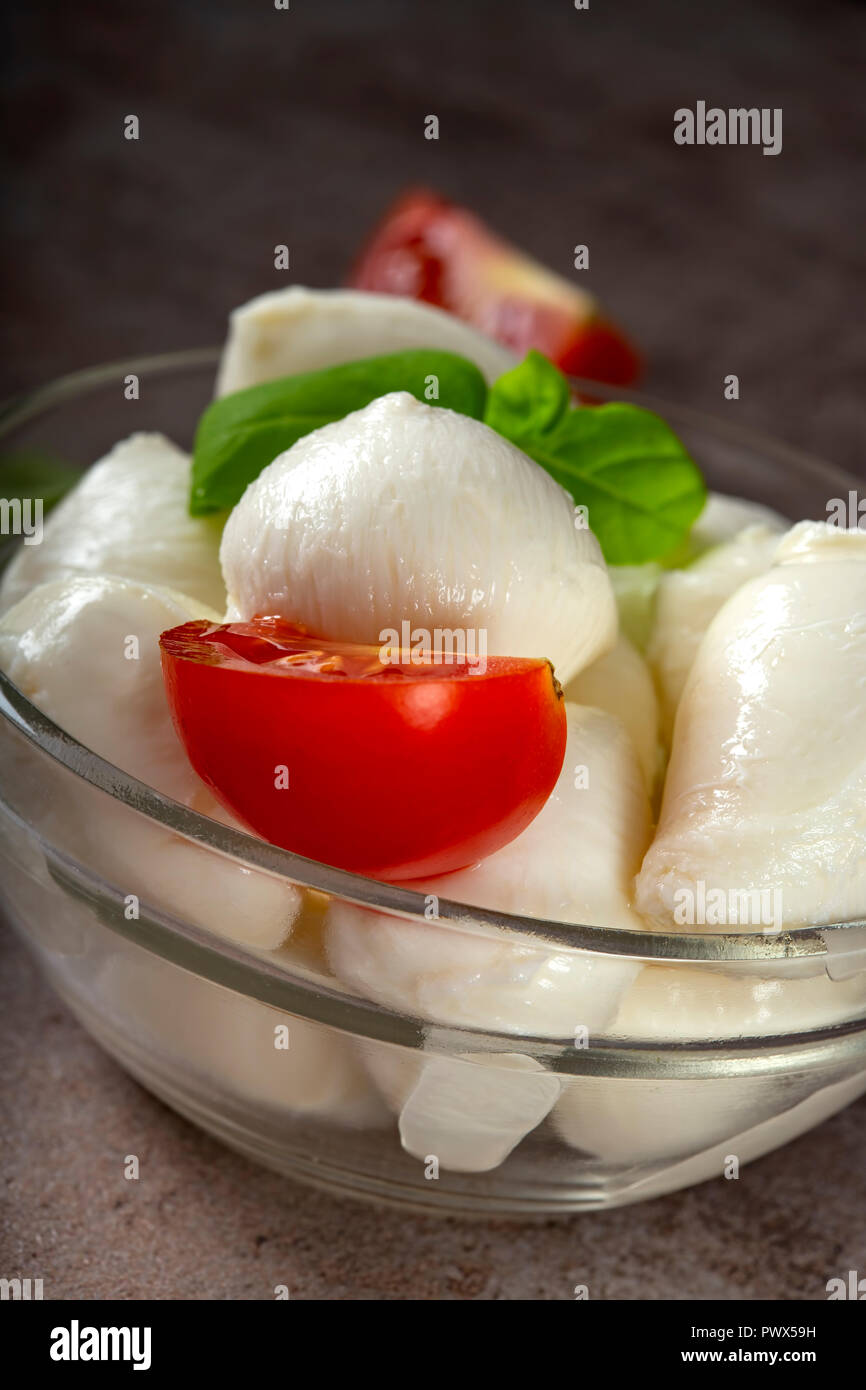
x: 85, y: 650
x: 127, y: 516
x: 576, y: 862
x: 404, y: 512
x: 766, y: 787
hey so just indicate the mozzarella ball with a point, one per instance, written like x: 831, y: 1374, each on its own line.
x: 724, y: 518
x: 687, y: 600
x: 697, y: 1003
x: 634, y: 589
x: 620, y: 683
x: 127, y: 516
x: 766, y: 788
x: 85, y: 650
x: 635, y: 586
x: 300, y: 330
x: 404, y: 512
x: 575, y: 863
x: 753, y: 1143
x: 257, y: 1054
x: 816, y: 542
x: 625, y: 1120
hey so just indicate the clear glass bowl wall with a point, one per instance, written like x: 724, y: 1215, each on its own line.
x: 514, y: 1124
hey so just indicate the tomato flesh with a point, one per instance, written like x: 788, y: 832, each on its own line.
x: 398, y: 769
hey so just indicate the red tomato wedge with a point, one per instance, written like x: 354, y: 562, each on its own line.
x: 430, y: 249
x: 396, y: 769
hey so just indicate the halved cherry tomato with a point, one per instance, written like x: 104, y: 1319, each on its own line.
x: 397, y: 769
x: 428, y: 248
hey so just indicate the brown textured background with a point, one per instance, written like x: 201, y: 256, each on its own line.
x: 259, y: 127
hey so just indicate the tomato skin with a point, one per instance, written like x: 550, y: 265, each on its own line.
x: 430, y: 249
x: 396, y: 776
x: 600, y: 352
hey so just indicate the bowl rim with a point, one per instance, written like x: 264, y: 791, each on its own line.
x: 822, y: 944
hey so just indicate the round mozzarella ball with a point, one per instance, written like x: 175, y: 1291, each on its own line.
x: 724, y: 518
x: 255, y: 1054
x: 576, y: 862
x: 631, y: 1120
x: 127, y: 516
x: 85, y: 650
x: 404, y: 512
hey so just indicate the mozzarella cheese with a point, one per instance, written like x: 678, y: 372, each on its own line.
x: 468, y: 1112
x: 575, y: 862
x: 752, y: 1143
x: 404, y: 512
x: 301, y: 330
x: 620, y: 683
x: 127, y: 516
x: 631, y: 1121
x: 766, y: 788
x: 635, y: 586
x: 248, y: 1051
x: 687, y: 600
x: 86, y: 651
x: 724, y: 518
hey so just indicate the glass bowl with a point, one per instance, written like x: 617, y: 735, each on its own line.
x: 131, y: 902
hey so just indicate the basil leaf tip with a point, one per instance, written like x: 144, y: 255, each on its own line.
x: 641, y: 490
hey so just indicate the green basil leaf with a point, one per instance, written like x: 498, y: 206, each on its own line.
x: 641, y: 489
x: 241, y: 434
x: 529, y: 400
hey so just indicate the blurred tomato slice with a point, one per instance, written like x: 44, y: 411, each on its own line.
x: 430, y: 249
x: 396, y: 768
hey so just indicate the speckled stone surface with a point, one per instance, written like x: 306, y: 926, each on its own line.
x: 261, y: 127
